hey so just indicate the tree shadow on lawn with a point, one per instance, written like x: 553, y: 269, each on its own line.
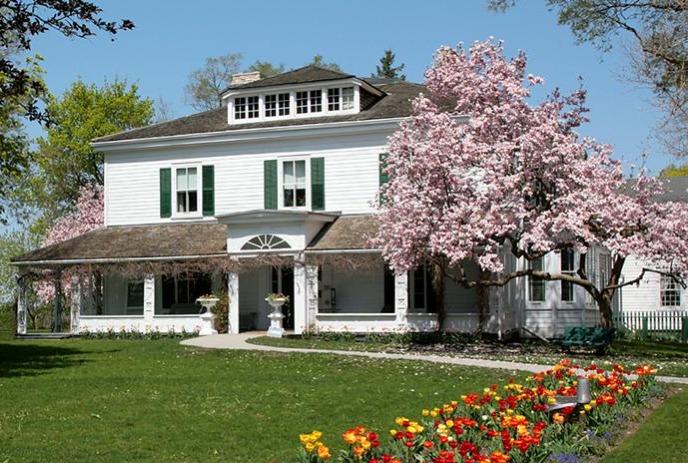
x: 33, y: 359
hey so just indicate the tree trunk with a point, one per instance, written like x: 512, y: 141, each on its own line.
x: 483, y: 301
x: 604, y: 303
x: 438, y: 274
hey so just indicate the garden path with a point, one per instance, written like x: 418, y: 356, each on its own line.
x: 238, y: 342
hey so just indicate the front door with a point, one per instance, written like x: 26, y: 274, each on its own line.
x: 283, y: 282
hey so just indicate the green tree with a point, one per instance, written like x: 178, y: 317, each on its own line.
x: 659, y: 60
x: 674, y: 171
x: 266, y: 68
x: 64, y: 161
x: 205, y: 85
x: 319, y: 61
x: 15, y: 156
x: 20, y: 22
x: 388, y: 69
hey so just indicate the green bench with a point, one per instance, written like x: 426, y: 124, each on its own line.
x: 597, y: 338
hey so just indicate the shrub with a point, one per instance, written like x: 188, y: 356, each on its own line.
x: 504, y: 424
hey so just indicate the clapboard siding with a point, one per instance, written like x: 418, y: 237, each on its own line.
x: 351, y: 174
x: 644, y: 296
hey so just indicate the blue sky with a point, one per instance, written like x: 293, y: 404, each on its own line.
x: 173, y: 37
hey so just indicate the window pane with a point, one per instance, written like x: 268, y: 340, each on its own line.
x: 191, y: 179
x: 135, y: 294
x: 270, y: 105
x: 181, y: 180
x: 566, y: 291
x: 288, y: 197
x: 301, y: 102
x: 288, y: 176
x: 669, y: 292
x: 283, y: 99
x: 182, y: 290
x: 419, y: 289
x: 567, y: 260
x: 348, y: 98
x: 252, y: 107
x: 536, y: 286
x: 193, y: 201
x: 316, y: 101
x: 301, y: 173
x: 333, y: 99
x: 181, y: 201
x: 301, y: 197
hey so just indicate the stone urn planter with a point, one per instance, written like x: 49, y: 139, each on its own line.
x: 207, y: 317
x: 276, y: 301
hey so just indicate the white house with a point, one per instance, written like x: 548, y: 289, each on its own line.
x: 288, y: 167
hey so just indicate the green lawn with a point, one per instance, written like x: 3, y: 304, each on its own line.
x: 671, y: 359
x: 156, y: 401
x: 663, y: 437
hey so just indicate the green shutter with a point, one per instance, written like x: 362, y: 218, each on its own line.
x: 165, y: 193
x: 270, y: 184
x: 208, y: 191
x: 318, y: 184
x: 383, y: 163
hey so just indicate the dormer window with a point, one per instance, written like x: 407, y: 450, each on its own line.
x: 301, y: 102
x: 253, y: 108
x: 333, y: 99
x: 240, y: 108
x: 270, y: 105
x: 283, y: 104
x: 347, y: 98
x: 316, y: 101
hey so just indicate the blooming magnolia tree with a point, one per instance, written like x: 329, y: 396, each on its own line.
x: 87, y: 216
x: 479, y: 172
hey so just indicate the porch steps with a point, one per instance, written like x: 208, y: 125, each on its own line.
x: 34, y: 336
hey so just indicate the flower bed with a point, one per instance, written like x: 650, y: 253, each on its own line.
x: 505, y: 424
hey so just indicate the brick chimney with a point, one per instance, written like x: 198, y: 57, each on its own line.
x: 245, y: 78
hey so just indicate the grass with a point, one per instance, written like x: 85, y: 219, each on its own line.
x: 156, y: 401
x: 662, y: 437
x: 671, y: 359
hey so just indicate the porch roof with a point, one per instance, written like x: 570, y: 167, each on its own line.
x: 182, y: 241
x: 347, y: 232
x: 113, y: 244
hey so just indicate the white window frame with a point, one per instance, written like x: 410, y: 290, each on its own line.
x: 571, y: 272
x: 427, y: 287
x: 280, y: 182
x: 529, y: 295
x: 664, y: 288
x: 292, y: 90
x: 198, y: 213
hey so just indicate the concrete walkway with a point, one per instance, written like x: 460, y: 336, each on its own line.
x: 238, y: 342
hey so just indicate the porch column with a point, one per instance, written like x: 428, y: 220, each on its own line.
x: 76, y: 304
x: 57, y: 302
x: 311, y: 297
x: 148, y: 301
x: 233, y: 296
x: 22, y: 305
x: 300, y: 294
x: 401, y: 299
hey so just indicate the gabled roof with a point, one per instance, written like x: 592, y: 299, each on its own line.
x: 347, y: 232
x: 302, y: 75
x: 395, y: 103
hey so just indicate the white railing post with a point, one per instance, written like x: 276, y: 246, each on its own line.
x: 75, y: 311
x: 148, y: 301
x: 233, y: 296
x: 22, y: 306
x: 311, y: 297
x: 401, y: 299
x: 299, y: 303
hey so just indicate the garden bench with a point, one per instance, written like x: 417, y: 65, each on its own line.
x: 588, y: 337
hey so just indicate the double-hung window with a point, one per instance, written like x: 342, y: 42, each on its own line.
x: 252, y: 107
x: 301, y: 102
x: 240, y: 107
x: 333, y: 99
x: 134, y: 296
x: 283, y: 104
x: 187, y: 190
x: 347, y: 98
x: 536, y: 286
x: 270, y: 105
x: 669, y: 292
x: 294, y: 183
x: 567, y: 268
x: 316, y: 101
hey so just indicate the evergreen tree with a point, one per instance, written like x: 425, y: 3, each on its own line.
x: 388, y: 69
